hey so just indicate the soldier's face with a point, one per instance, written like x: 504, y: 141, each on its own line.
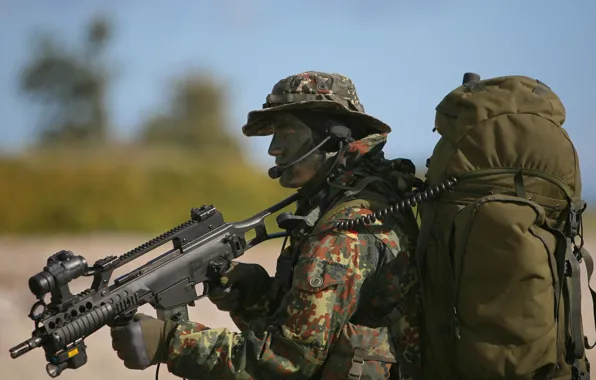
x: 291, y: 140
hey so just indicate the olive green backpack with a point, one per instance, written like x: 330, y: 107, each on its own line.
x: 500, y: 254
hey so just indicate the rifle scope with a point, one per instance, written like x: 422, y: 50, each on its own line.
x: 62, y: 268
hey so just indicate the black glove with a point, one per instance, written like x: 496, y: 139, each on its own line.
x: 142, y: 342
x: 242, y: 286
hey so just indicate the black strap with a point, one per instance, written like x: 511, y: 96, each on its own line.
x: 575, y: 304
x: 364, y: 182
x: 395, y: 314
x: 561, y: 259
x: 284, y: 270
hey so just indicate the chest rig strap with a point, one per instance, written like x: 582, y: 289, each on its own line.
x: 297, y: 227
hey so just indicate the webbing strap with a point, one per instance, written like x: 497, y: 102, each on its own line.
x: 395, y: 314
x: 427, y: 220
x: 357, y: 363
x: 560, y: 258
x: 575, y: 304
x: 518, y: 183
x: 277, y: 99
x: 589, y: 262
x: 359, y: 357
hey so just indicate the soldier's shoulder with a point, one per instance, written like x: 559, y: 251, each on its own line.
x: 345, y: 210
x: 393, y: 230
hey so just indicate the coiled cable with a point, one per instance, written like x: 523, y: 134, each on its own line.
x: 418, y: 198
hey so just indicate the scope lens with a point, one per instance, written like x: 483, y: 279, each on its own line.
x: 57, y: 274
x: 41, y: 284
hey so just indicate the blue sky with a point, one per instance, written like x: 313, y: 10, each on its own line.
x: 403, y: 56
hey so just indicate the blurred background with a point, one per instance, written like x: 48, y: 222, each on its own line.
x: 117, y: 117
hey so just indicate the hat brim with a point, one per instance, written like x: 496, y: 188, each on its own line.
x: 257, y: 124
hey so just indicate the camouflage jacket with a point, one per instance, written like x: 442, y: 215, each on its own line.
x: 320, y: 320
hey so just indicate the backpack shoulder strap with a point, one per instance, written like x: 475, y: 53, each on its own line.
x: 589, y: 262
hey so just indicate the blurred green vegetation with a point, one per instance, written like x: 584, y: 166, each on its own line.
x: 125, y: 190
x: 77, y: 177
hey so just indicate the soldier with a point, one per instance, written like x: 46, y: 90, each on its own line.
x: 343, y: 301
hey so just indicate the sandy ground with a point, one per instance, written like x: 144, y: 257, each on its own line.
x: 20, y: 258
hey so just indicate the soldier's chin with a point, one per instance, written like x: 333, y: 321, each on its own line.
x: 288, y: 181
x: 297, y: 176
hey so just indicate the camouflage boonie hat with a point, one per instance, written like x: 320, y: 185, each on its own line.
x: 313, y: 90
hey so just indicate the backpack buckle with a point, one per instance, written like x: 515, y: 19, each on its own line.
x: 573, y: 221
x: 357, y: 363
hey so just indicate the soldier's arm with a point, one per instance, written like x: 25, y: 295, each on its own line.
x: 257, y: 315
x: 324, y: 295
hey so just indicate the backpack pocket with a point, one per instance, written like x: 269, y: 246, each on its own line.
x: 505, y: 278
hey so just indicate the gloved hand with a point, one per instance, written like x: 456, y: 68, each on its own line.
x: 242, y: 286
x: 142, y: 342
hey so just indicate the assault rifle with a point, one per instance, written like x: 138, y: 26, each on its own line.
x: 202, y: 250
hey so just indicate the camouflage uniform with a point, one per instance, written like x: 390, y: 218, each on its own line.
x: 324, y: 314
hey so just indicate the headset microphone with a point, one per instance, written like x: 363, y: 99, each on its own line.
x: 339, y: 132
x: 276, y: 171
